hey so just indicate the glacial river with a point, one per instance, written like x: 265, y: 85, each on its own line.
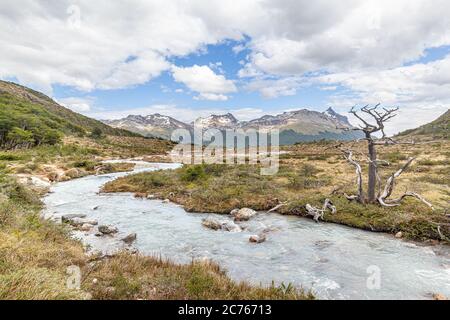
x: 334, y: 261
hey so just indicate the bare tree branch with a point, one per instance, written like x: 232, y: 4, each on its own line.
x: 277, y: 207
x: 349, y: 156
x: 410, y: 194
x: 391, y: 181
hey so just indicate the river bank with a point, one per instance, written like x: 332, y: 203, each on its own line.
x: 221, y: 189
x: 298, y: 251
x: 35, y: 254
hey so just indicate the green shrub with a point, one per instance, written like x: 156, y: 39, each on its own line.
x: 194, y: 173
x: 6, y: 156
x: 394, y: 157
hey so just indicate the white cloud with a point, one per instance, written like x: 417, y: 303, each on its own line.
x: 422, y: 90
x: 362, y: 45
x: 206, y: 82
x: 274, y: 88
x: 81, y: 105
x: 41, y: 46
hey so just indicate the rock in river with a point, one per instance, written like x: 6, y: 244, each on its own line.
x: 67, y: 217
x: 257, y: 238
x: 129, y: 239
x: 107, y: 229
x: 231, y: 227
x: 215, y: 224
x: 243, y: 214
x: 212, y: 224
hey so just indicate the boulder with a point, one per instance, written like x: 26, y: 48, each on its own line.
x: 72, y: 173
x: 216, y: 224
x: 107, y: 229
x: 243, y: 214
x: 257, y: 238
x: 67, y: 217
x: 234, y: 212
x: 39, y: 182
x: 75, y: 222
x: 231, y: 227
x: 212, y: 223
x: 129, y: 239
x: 399, y: 235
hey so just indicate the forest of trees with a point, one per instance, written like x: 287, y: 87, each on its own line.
x: 25, y: 125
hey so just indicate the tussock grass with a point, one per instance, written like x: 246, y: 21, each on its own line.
x: 136, y: 277
x: 35, y: 254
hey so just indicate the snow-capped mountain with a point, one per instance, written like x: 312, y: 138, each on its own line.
x: 226, y: 121
x: 294, y: 126
x: 154, y: 125
x: 343, y: 119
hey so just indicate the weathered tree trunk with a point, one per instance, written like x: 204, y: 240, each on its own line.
x: 372, y: 183
x: 374, y: 180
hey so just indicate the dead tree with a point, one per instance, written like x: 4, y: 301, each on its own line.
x: 376, y: 125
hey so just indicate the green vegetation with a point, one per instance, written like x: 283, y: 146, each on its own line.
x: 35, y: 254
x: 29, y: 118
x: 137, y: 277
x: 24, y: 125
x: 438, y: 129
x: 222, y: 188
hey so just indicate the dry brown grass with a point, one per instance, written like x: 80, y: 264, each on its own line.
x: 137, y: 277
x: 35, y: 255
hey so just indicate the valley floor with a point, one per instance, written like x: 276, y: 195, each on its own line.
x: 35, y: 253
x: 310, y: 173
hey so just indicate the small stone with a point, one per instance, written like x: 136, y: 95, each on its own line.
x: 151, y: 196
x: 399, y: 235
x: 257, y: 238
x: 129, y: 239
x: 132, y: 250
x: 107, y: 229
x: 99, y: 234
x: 140, y: 195
x: 94, y: 281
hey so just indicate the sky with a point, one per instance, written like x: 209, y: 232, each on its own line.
x: 193, y: 58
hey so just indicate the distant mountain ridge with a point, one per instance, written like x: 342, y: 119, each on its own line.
x: 437, y: 129
x: 294, y: 126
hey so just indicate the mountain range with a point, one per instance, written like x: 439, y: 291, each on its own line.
x: 294, y: 126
